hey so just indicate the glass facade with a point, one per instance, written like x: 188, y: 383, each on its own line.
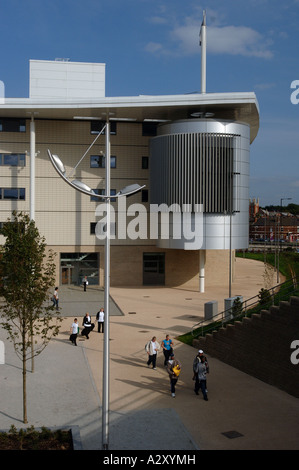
x: 75, y: 266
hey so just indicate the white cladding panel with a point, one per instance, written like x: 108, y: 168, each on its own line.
x: 65, y: 80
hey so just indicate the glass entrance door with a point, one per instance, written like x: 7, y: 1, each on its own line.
x: 154, y: 269
x: 67, y: 275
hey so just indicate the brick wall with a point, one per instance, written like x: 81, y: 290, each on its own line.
x: 261, y: 345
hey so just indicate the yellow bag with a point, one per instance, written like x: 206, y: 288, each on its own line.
x: 176, y: 370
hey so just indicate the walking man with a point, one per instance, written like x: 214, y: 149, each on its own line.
x: 152, y: 348
x: 201, y: 381
x: 74, y: 332
x: 55, y: 298
x: 198, y: 358
x: 100, y: 318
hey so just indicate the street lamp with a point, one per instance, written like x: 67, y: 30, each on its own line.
x: 84, y: 188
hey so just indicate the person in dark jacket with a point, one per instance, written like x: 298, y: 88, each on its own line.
x: 200, y: 371
x: 87, y: 326
x: 198, y: 359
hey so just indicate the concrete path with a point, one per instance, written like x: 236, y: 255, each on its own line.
x: 66, y: 387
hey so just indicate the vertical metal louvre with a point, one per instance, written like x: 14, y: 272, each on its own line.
x: 195, y: 168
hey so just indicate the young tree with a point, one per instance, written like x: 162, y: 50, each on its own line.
x: 237, y: 307
x: 26, y: 275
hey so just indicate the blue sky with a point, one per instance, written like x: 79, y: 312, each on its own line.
x: 152, y: 47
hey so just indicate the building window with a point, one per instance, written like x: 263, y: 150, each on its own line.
x: 93, y: 228
x: 12, y: 125
x: 12, y: 159
x: 97, y: 126
x: 12, y: 194
x: 144, y: 163
x: 149, y: 129
x: 144, y: 195
x: 98, y: 161
x: 102, y: 192
x: 153, y: 269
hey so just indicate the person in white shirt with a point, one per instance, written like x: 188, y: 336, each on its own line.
x: 152, y: 348
x: 55, y: 298
x: 100, y: 318
x: 74, y: 332
x: 85, y: 283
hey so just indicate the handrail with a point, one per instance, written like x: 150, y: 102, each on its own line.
x: 244, y: 309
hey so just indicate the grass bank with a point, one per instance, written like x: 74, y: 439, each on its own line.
x: 288, y: 261
x: 288, y: 266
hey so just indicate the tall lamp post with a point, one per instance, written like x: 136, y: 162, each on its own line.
x: 281, y: 199
x: 82, y: 187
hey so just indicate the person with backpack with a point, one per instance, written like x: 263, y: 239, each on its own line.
x: 174, y: 369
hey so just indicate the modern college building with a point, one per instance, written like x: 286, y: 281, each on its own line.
x: 191, y: 151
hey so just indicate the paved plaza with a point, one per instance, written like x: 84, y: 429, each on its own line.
x: 66, y: 388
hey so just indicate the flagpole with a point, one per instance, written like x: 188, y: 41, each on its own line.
x: 203, y: 44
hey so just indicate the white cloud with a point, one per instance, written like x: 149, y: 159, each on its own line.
x: 153, y: 47
x: 158, y: 20
x: 237, y: 40
x: 233, y: 40
x: 264, y: 86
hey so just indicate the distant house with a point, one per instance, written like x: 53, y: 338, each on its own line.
x: 274, y: 226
